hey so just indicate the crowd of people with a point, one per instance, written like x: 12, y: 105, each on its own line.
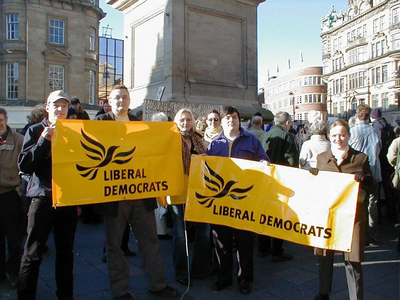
x: 368, y: 148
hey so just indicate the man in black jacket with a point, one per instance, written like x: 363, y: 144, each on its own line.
x: 35, y: 159
x: 140, y: 215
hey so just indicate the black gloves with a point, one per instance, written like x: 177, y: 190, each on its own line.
x: 314, y: 171
x: 363, y: 178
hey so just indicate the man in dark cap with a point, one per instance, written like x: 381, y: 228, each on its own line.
x: 80, y: 112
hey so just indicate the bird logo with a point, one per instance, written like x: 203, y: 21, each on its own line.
x: 215, y: 183
x: 97, y: 151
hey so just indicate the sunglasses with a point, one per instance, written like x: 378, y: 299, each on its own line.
x: 213, y: 119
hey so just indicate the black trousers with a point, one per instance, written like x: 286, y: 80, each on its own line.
x: 11, y: 228
x: 224, y: 239
x: 42, y: 217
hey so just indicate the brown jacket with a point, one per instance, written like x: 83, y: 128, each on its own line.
x: 355, y: 161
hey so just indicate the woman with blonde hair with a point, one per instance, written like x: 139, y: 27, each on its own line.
x: 192, y: 143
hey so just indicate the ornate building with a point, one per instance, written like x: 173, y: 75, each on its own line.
x: 297, y: 93
x: 361, y: 52
x: 47, y: 45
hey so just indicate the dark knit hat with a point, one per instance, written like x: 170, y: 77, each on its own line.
x: 376, y: 113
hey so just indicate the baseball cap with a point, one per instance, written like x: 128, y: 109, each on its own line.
x: 57, y: 95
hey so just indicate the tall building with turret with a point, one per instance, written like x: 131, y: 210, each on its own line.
x: 47, y: 45
x: 361, y: 52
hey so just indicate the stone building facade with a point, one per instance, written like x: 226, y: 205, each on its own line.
x: 191, y: 51
x: 297, y: 93
x: 47, y: 45
x: 361, y: 52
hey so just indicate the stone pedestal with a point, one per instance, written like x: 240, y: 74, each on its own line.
x: 196, y: 51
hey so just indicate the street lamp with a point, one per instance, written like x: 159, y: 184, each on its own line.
x: 291, y: 95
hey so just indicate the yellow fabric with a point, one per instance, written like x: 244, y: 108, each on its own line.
x: 279, y: 201
x: 95, y: 162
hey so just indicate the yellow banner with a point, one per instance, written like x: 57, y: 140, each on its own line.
x: 279, y: 201
x: 104, y: 161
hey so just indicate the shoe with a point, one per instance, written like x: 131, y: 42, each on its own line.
x: 263, y: 253
x: 219, y: 285
x: 244, y: 287
x: 165, y: 237
x: 128, y: 252
x: 321, y: 297
x: 183, y: 281
x: 167, y: 292
x: 283, y: 257
x: 128, y: 296
x: 371, y: 241
x: 45, y: 249
x: 13, y: 282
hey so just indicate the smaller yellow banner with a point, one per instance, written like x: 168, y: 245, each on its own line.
x: 104, y: 161
x: 278, y: 201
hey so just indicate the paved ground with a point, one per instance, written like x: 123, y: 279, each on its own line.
x: 297, y: 279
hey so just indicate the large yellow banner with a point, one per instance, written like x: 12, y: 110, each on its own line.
x: 104, y: 161
x: 278, y: 201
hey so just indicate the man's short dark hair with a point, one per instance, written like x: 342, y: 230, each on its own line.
x: 363, y: 111
x: 3, y: 112
x: 75, y: 101
x: 229, y: 110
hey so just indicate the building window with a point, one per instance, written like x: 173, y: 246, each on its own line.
x: 395, y: 15
x: 56, y: 77
x: 92, y: 41
x: 396, y: 41
x: 385, y: 101
x: 12, y: 81
x: 384, y: 74
x: 12, y: 26
x: 381, y: 23
x: 375, y: 26
x: 92, y: 88
x: 57, y: 28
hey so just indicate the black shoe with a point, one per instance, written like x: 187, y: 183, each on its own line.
x: 167, y: 292
x: 128, y: 252
x: 244, y: 287
x: 45, y: 249
x: 321, y: 297
x: 219, y: 285
x: 165, y: 237
x: 263, y: 253
x: 128, y: 296
x: 183, y: 281
x: 283, y: 257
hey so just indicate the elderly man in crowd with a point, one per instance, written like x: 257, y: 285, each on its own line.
x: 11, y: 218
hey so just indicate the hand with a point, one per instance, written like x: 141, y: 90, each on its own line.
x: 314, y: 171
x: 47, y: 133
x: 265, y: 162
x: 359, y: 176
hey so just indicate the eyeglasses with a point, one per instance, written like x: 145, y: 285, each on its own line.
x: 213, y: 119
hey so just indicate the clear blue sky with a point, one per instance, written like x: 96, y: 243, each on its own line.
x: 285, y: 29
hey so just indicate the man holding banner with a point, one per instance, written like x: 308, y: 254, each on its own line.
x: 36, y: 159
x: 235, y: 142
x: 140, y: 215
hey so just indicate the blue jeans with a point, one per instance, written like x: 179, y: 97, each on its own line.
x: 42, y: 217
x: 201, y: 262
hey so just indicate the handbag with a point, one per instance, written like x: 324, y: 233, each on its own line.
x: 395, y: 176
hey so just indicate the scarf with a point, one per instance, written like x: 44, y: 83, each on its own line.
x: 198, y: 146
